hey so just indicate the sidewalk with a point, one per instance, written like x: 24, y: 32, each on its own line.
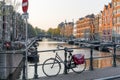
x: 96, y: 74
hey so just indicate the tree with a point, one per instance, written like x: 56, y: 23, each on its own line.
x: 54, y: 31
x: 31, y: 31
x: 50, y: 31
x: 14, y: 3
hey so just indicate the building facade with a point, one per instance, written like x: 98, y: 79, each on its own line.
x: 69, y: 29
x: 100, y: 25
x: 74, y: 30
x: 96, y: 27
x: 66, y: 29
x: 85, y: 27
x: 107, y: 24
x: 7, y: 23
x: 104, y: 26
x: 116, y: 20
x: 61, y: 26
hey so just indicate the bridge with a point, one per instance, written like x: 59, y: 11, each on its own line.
x: 109, y: 73
x: 90, y: 74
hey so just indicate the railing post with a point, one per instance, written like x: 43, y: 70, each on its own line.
x: 65, y: 62
x: 91, y: 58
x: 24, y: 66
x: 35, y: 66
x: 114, y: 55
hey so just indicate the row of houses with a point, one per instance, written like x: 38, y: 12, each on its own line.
x: 11, y: 27
x: 104, y: 26
x: 12, y: 21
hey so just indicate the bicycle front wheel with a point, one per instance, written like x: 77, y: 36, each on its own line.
x: 51, y: 67
x: 79, y: 68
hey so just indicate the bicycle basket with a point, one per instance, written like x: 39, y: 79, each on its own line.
x: 78, y: 59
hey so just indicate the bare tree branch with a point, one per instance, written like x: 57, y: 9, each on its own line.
x: 15, y: 3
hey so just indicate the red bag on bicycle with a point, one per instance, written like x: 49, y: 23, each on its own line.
x: 78, y: 59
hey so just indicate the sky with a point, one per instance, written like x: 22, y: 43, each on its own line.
x: 49, y: 13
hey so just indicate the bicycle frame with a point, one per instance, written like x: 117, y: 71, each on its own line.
x: 58, y: 58
x: 61, y: 61
x: 67, y: 62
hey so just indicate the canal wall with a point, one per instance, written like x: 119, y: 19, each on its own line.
x: 7, y: 61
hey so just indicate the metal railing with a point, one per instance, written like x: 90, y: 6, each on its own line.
x: 13, y: 52
x: 91, y: 58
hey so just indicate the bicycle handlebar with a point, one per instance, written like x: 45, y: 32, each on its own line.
x: 65, y: 48
x: 58, y: 46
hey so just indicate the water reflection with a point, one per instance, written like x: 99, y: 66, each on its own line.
x: 104, y: 62
x: 48, y: 44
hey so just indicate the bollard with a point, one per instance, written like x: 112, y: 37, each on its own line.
x: 91, y: 58
x: 114, y: 56
x: 65, y: 61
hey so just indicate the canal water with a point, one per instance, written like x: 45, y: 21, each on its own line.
x: 48, y: 44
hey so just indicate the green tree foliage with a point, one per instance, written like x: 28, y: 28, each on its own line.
x: 31, y: 31
x: 54, y: 31
x: 50, y: 31
x: 57, y: 31
x: 37, y: 30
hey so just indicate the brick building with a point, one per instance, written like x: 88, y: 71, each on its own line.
x: 100, y: 25
x: 85, y: 27
x: 66, y: 29
x: 104, y: 26
x: 107, y: 23
x: 116, y: 20
x: 69, y: 29
x: 61, y: 26
x: 96, y: 27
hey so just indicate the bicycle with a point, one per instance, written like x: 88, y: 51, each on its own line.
x: 54, y: 64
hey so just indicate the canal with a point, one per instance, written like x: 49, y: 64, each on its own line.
x: 48, y: 44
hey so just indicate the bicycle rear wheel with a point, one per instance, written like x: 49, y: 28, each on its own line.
x: 79, y: 68
x: 51, y: 67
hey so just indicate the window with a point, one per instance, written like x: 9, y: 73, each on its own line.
x: 114, y: 12
x: 115, y: 4
x: 118, y: 29
x: 118, y: 20
x: 118, y: 4
x: 114, y: 21
x: 118, y: 11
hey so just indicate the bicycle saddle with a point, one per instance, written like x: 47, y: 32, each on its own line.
x: 70, y: 50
